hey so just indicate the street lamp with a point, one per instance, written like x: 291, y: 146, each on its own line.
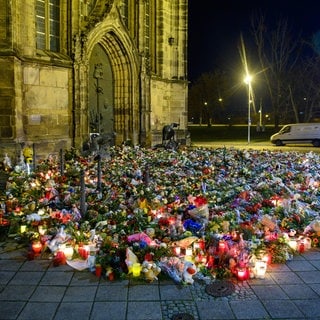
x: 204, y: 110
x: 247, y: 80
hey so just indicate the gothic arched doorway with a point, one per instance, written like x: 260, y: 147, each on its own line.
x: 100, y: 104
x: 114, y: 88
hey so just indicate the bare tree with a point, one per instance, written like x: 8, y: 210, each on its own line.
x: 304, y: 89
x: 278, y: 53
x: 207, y: 97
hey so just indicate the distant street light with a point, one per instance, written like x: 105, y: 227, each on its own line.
x: 206, y: 111
x: 247, y: 80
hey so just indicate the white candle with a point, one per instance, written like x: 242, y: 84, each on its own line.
x: 260, y: 269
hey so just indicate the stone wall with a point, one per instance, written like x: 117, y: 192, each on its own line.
x: 46, y: 110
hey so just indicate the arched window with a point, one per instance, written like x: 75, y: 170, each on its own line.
x: 48, y: 25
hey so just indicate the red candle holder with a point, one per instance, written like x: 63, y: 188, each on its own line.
x: 202, y: 244
x: 222, y: 248
x: 98, y: 270
x: 36, y: 247
x: 242, y: 274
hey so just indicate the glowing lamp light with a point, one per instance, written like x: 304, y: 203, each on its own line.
x: 172, y: 220
x: 301, y: 246
x: 189, y: 252
x: 136, y: 269
x: 36, y: 247
x: 293, y: 244
x: 222, y: 246
x: 210, y: 262
x: 42, y: 230
x: 177, y: 251
x: 196, y: 246
x: 276, y: 200
x: 98, y: 270
x: 86, y: 251
x: 242, y: 274
x: 68, y: 252
x: 202, y: 244
x: 260, y: 269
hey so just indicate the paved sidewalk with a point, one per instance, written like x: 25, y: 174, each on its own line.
x: 35, y: 290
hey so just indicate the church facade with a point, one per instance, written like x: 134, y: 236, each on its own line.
x: 70, y: 68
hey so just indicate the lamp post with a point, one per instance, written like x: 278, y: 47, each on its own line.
x: 247, y: 81
x: 98, y: 74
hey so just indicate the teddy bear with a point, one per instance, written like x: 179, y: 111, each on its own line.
x: 28, y: 154
x: 189, y: 271
x: 150, y: 270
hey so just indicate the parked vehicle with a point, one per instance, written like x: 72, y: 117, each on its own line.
x: 297, y: 133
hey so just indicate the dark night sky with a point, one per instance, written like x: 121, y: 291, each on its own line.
x: 215, y: 27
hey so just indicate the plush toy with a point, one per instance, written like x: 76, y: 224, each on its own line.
x: 60, y: 238
x: 150, y: 270
x: 180, y: 270
x: 190, y: 270
x: 28, y: 154
x: 314, y: 226
x: 140, y: 237
x: 7, y: 164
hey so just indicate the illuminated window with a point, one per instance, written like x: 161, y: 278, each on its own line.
x: 48, y: 25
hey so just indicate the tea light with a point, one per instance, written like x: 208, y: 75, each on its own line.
x: 36, y: 247
x: 202, y: 244
x: 172, y: 220
x: 177, y: 251
x: 210, y: 262
x: 301, y: 246
x: 98, y: 270
x: 260, y: 269
x: 189, y: 252
x: 222, y: 246
x: 136, y: 269
x: 86, y: 251
x: 196, y: 246
x: 68, y: 252
x: 293, y: 244
x: 42, y: 230
x: 242, y: 274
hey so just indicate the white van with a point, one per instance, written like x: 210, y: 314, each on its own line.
x: 297, y: 133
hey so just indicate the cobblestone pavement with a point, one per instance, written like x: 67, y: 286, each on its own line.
x: 34, y: 289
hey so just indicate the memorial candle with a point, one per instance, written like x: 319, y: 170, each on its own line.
x: 36, y: 247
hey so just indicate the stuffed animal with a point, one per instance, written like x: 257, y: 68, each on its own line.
x: 28, y: 154
x: 314, y: 226
x: 190, y: 270
x: 150, y: 270
x: 60, y: 238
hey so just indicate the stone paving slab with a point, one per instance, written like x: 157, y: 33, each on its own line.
x: 108, y: 310
x: 37, y: 290
x: 118, y: 292
x: 253, y: 309
x: 74, y: 311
